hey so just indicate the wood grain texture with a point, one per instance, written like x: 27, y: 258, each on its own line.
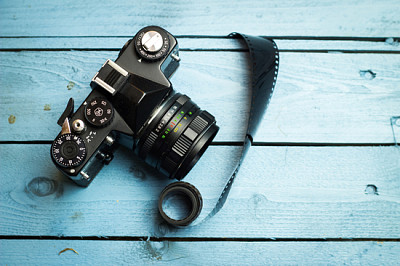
x: 281, y: 192
x: 338, y: 83
x: 201, y: 43
x: 319, y: 98
x: 46, y: 252
x: 270, y: 18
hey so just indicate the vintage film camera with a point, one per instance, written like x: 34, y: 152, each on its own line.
x: 133, y: 103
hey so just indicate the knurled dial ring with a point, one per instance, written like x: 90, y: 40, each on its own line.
x: 152, y: 43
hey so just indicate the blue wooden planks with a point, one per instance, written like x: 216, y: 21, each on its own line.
x: 196, y: 253
x: 201, y: 43
x: 318, y: 171
x: 281, y: 192
x: 272, y: 18
x: 319, y: 98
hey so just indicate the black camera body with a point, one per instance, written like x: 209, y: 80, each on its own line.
x: 133, y: 103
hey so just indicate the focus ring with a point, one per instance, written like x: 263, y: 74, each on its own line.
x: 185, y: 141
x: 149, y: 142
x: 198, y: 124
x: 184, y: 144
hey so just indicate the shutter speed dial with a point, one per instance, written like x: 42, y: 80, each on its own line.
x: 99, y: 112
x: 68, y: 150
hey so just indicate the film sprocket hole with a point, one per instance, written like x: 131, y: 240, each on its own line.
x: 132, y: 102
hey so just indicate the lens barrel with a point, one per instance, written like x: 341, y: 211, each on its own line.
x: 177, y: 136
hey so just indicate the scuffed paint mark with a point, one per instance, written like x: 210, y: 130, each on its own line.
x: 65, y: 249
x: 371, y: 190
x: 392, y: 41
x: 11, y: 119
x: 155, y: 249
x: 77, y: 215
x: 163, y: 228
x: 47, y: 107
x: 70, y: 85
x: 367, y: 74
x: 395, y: 124
x: 43, y: 187
x: 257, y: 205
x: 137, y: 172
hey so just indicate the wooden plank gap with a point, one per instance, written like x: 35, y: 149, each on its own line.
x: 198, y: 239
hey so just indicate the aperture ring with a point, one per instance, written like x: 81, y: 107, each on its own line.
x: 148, y: 144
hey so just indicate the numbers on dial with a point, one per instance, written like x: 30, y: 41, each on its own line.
x: 68, y: 150
x: 99, y: 112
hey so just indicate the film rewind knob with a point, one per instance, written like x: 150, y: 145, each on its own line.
x: 152, y: 41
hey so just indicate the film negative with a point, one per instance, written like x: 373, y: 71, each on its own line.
x: 264, y: 60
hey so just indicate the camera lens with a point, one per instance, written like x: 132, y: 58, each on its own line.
x: 177, y: 136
